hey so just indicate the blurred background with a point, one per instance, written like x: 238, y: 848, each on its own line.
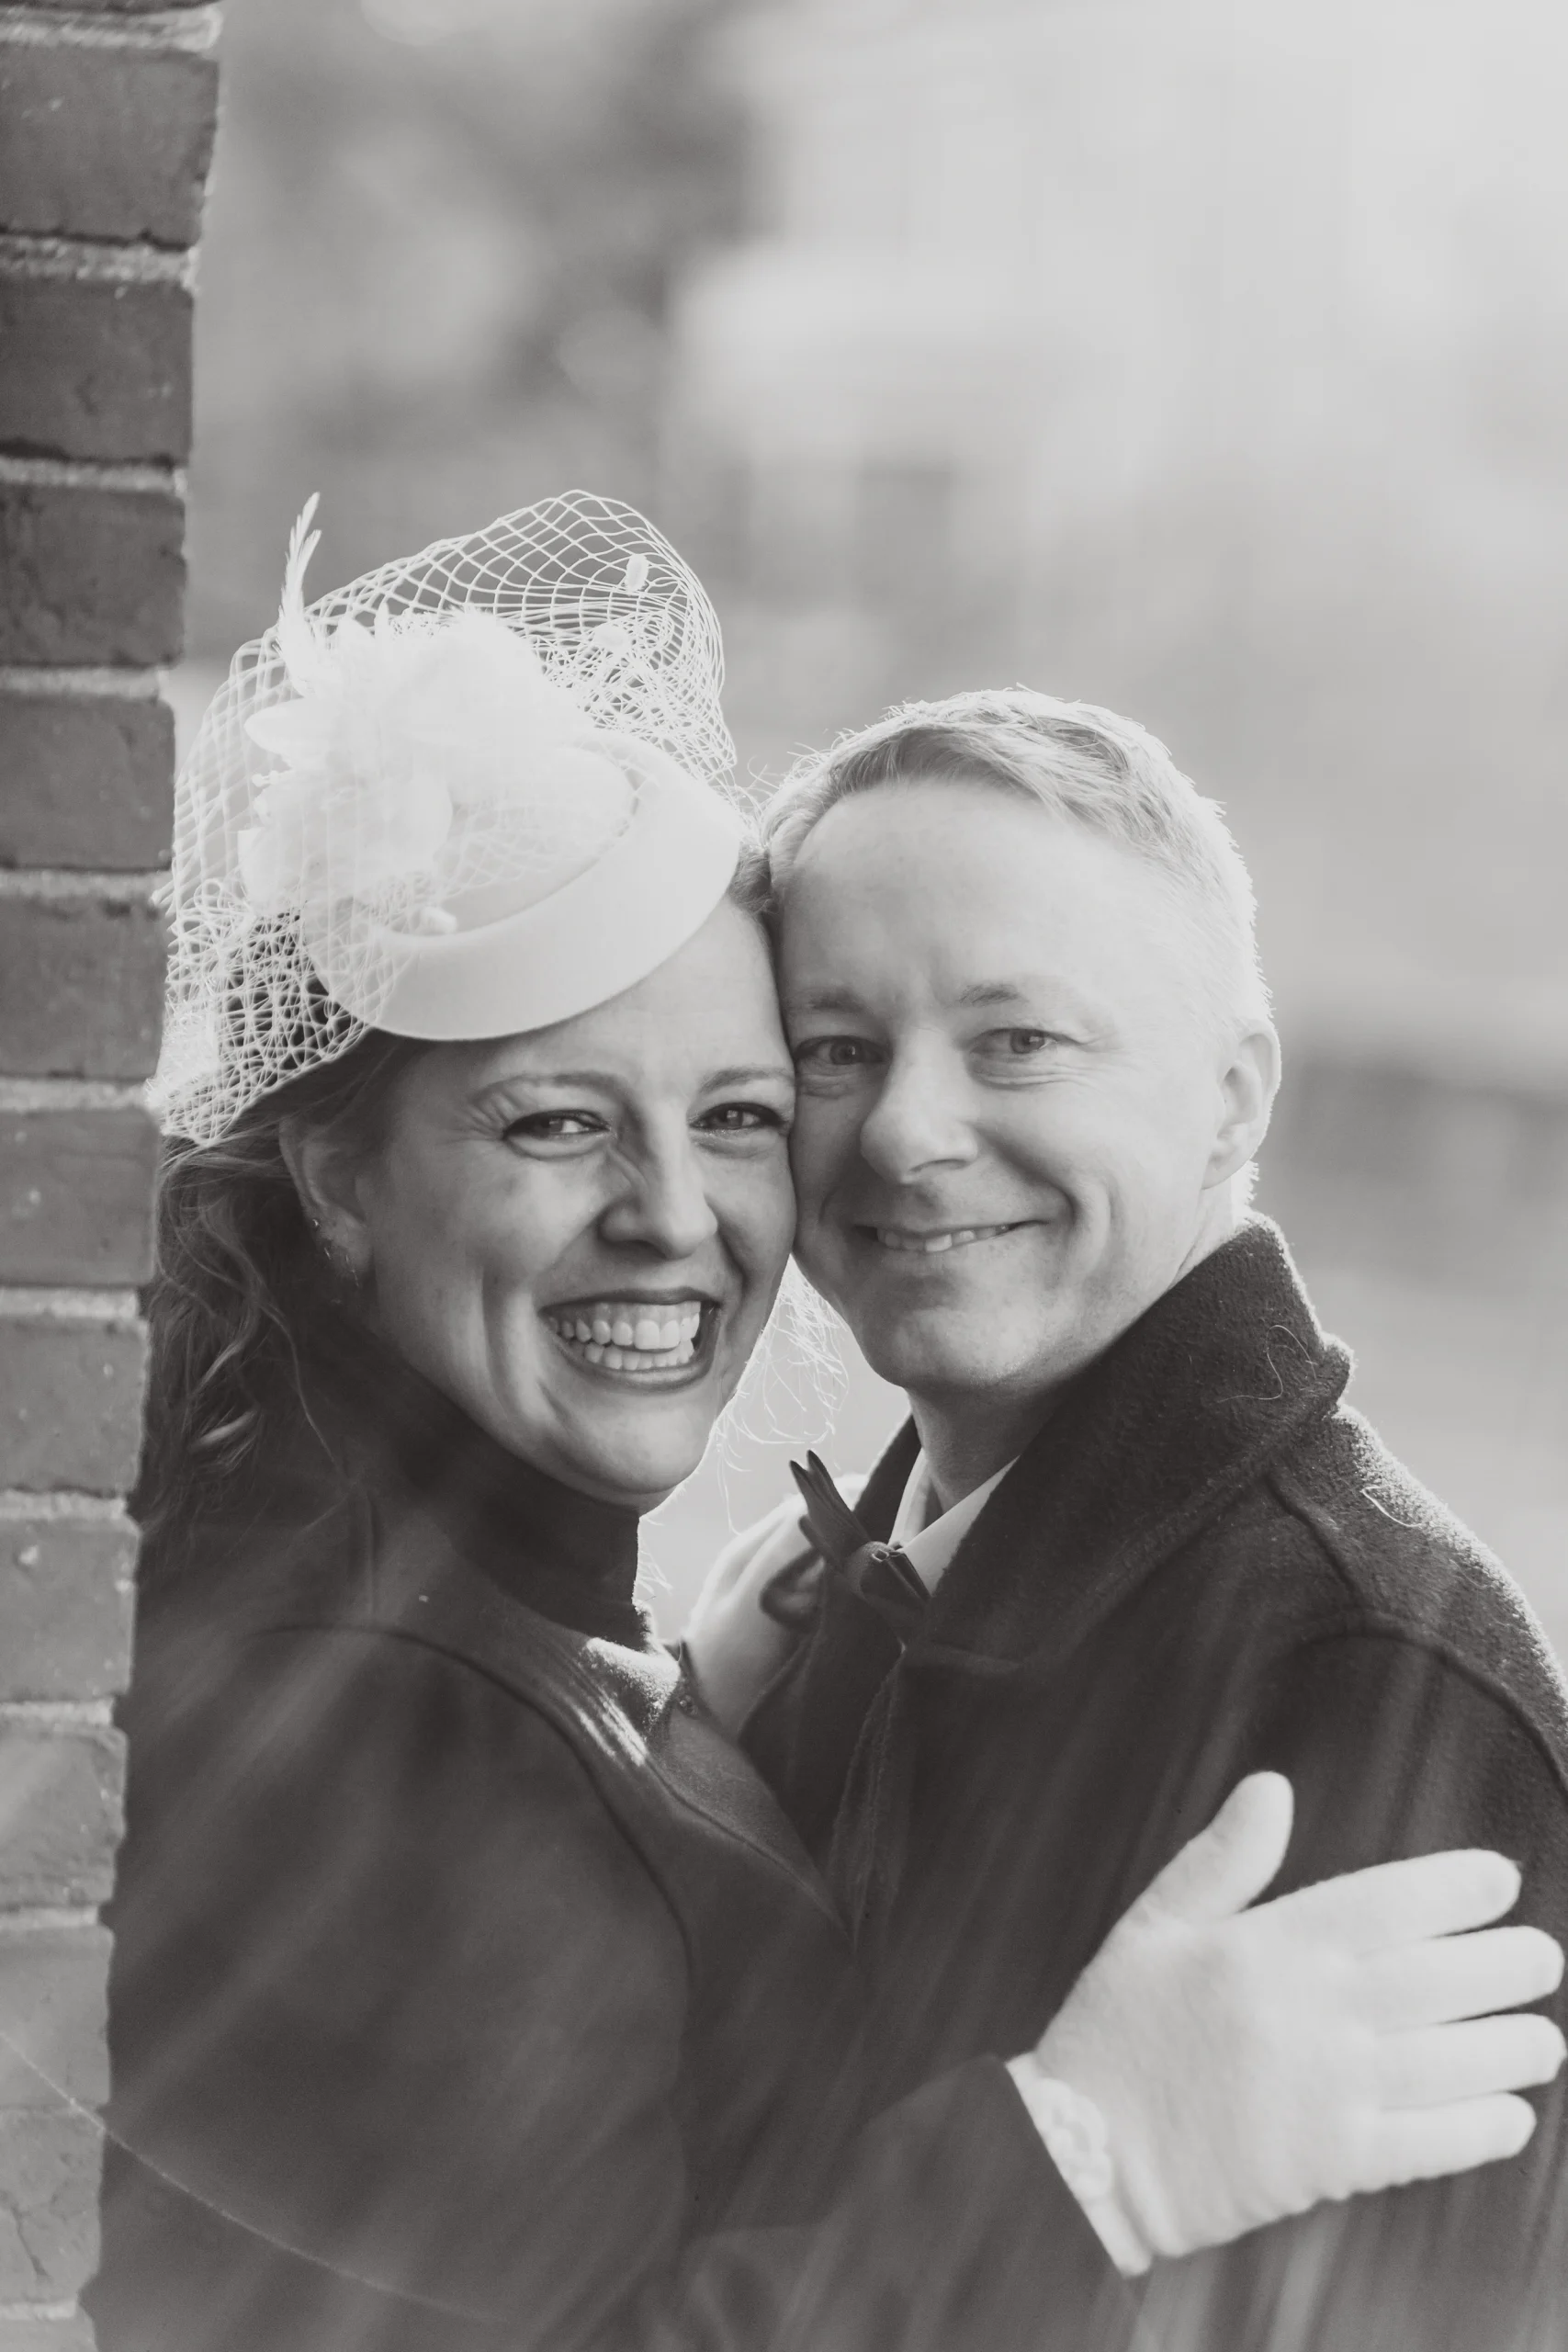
x: 1208, y: 358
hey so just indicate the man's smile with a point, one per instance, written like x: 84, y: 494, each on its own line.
x: 932, y: 1240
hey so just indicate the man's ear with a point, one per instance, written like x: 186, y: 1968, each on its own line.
x: 1247, y: 1088
x: 326, y: 1177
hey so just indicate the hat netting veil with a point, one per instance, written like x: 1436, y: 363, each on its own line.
x: 442, y: 723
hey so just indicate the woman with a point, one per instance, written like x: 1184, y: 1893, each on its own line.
x: 468, y: 1988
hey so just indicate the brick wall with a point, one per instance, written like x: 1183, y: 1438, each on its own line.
x: 107, y: 118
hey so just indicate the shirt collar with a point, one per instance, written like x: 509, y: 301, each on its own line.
x: 930, y: 1543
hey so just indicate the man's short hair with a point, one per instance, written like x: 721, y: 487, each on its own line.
x: 1087, y: 765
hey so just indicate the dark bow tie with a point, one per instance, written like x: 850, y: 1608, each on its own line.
x: 882, y: 1574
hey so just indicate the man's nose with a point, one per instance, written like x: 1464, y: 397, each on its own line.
x: 917, y: 1121
x: 664, y: 1203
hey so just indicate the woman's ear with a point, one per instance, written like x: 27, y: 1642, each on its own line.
x: 326, y: 1177
x: 1247, y: 1088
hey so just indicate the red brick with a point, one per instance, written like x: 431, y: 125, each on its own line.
x: 65, y: 1603
x: 95, y: 370
x: 45, y: 2331
x: 81, y: 985
x: 90, y: 575
x: 75, y: 1190
x: 49, y: 2203
x: 87, y: 781
x: 70, y: 1405
x: 75, y: 1194
x: 104, y: 141
x: 51, y: 2014
x: 60, y: 1812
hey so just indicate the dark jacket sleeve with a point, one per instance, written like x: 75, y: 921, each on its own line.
x: 398, y: 2021
x: 1396, y: 1747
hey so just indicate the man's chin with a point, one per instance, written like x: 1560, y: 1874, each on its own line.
x: 936, y: 1350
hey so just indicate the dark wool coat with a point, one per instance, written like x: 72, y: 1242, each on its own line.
x: 1205, y: 1564
x: 470, y: 1989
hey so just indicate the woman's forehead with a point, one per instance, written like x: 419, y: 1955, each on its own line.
x: 711, y: 1010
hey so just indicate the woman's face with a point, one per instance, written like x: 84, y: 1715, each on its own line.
x: 578, y: 1233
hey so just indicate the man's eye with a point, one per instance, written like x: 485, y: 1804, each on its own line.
x: 554, y: 1126
x: 1020, y: 1045
x: 834, y: 1053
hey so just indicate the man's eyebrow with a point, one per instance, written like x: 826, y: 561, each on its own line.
x: 1027, y: 989
x: 749, y: 1074
x: 822, y: 1000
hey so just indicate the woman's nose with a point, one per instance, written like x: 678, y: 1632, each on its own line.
x: 663, y: 1205
x: 917, y: 1121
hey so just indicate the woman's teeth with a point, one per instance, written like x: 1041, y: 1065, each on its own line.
x: 623, y: 1340
x: 928, y: 1244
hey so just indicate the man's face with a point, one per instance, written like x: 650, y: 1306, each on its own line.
x: 1015, y: 1120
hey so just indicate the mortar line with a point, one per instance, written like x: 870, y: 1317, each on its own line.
x: 78, y: 474
x: 79, y: 881
x: 67, y: 1303
x: 37, y: 1095
x: 68, y: 1506
x: 80, y: 682
x: 88, y: 261
x: 194, y: 27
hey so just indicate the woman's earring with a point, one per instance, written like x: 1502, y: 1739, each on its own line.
x: 337, y: 1259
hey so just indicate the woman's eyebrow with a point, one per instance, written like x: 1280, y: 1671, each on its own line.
x: 602, y: 1077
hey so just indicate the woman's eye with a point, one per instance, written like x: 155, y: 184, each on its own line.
x: 554, y: 1126
x: 741, y: 1119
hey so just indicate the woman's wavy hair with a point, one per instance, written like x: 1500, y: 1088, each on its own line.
x: 239, y: 1280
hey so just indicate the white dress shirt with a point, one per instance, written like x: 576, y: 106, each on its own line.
x: 928, y: 1542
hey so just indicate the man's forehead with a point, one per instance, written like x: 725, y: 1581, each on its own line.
x: 820, y: 988
x: 982, y: 893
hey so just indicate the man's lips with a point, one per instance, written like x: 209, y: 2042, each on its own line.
x: 936, y: 1240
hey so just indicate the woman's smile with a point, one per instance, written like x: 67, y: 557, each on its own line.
x: 648, y: 1339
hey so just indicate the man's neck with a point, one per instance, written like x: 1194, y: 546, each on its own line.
x: 966, y: 1447
x: 969, y: 1438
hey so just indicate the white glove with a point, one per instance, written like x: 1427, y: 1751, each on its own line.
x: 733, y: 1646
x: 1251, y: 2064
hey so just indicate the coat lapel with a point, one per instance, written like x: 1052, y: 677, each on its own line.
x: 1153, y: 1440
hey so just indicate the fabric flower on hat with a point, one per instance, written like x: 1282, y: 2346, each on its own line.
x: 425, y: 759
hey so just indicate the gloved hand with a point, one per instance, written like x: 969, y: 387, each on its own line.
x: 1250, y: 2064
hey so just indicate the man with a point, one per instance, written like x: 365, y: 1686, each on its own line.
x: 1035, y: 1061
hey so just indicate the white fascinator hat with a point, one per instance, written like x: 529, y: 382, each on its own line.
x: 475, y: 792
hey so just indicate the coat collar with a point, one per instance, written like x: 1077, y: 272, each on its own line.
x: 1186, y: 1408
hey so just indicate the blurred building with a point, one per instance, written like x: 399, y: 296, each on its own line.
x: 1192, y: 357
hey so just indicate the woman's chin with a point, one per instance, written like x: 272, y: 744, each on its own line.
x: 635, y: 1456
